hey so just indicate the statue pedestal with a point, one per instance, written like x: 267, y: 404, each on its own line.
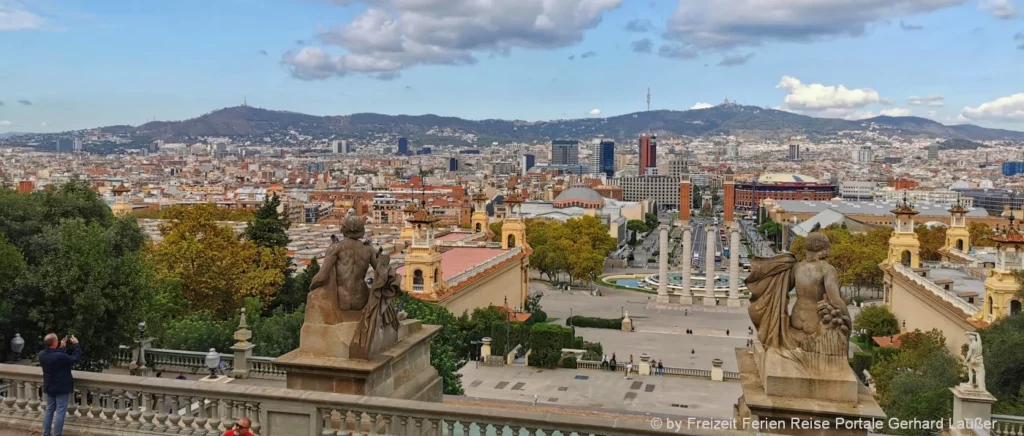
x: 801, y: 407
x: 686, y: 299
x: 401, y: 370
x: 972, y: 409
x: 805, y: 375
x: 734, y: 302
x: 662, y: 299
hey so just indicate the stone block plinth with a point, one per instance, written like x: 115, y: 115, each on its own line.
x: 972, y: 409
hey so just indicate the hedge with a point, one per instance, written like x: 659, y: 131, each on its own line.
x: 569, y: 362
x: 546, y: 343
x: 861, y: 360
x: 597, y: 323
x: 594, y: 351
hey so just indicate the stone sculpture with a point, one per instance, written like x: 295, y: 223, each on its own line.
x: 974, y: 363
x: 340, y: 292
x: 819, y: 323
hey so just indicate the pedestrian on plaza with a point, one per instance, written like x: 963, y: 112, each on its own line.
x: 241, y: 428
x: 692, y: 352
x: 535, y: 398
x: 611, y: 363
x: 661, y: 368
x: 181, y: 376
x: 58, y: 384
x: 727, y: 332
x: 629, y: 371
x: 159, y: 374
x: 686, y: 312
x: 604, y: 362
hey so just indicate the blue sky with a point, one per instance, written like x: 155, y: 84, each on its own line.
x: 69, y: 64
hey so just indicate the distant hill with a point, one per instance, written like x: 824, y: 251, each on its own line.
x: 960, y: 144
x: 727, y: 119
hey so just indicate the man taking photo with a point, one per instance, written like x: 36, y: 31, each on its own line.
x: 57, y: 381
x: 241, y: 428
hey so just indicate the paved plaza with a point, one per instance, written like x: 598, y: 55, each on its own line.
x: 570, y: 388
x: 660, y: 329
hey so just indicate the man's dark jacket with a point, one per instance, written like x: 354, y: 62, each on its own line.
x: 57, y: 365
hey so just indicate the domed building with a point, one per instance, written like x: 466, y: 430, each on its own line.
x: 579, y: 196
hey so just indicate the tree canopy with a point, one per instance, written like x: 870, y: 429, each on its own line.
x: 637, y: 226
x: 217, y: 269
x: 67, y: 266
x: 855, y: 255
x: 981, y: 234
x: 586, y: 237
x: 876, y: 320
x: 1004, y: 368
x: 267, y: 228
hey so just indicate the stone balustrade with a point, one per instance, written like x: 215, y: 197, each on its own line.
x: 1006, y: 425
x: 195, y: 362
x: 118, y: 405
x: 668, y: 370
x: 949, y: 297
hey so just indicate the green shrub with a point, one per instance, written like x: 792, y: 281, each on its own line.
x: 861, y: 360
x: 578, y: 343
x: 537, y: 317
x: 597, y: 323
x: 569, y: 362
x: 594, y: 351
x: 546, y: 342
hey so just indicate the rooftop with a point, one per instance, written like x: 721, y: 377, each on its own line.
x: 877, y: 208
x: 458, y: 260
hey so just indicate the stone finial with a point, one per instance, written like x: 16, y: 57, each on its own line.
x: 243, y: 334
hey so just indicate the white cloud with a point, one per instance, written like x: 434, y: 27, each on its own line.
x: 818, y: 97
x: 701, y: 105
x: 933, y: 101
x: 392, y: 35
x: 5, y: 123
x: 594, y: 112
x: 724, y: 24
x: 1009, y: 108
x: 15, y: 16
x: 895, y: 112
x: 1002, y: 9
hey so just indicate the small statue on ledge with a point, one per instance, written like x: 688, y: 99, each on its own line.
x: 974, y: 363
x: 820, y: 322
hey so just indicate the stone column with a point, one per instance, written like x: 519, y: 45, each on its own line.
x: 709, y: 263
x: 686, y: 295
x: 242, y: 349
x: 734, y: 267
x: 663, y: 264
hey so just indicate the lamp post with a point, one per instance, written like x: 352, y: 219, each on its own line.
x: 142, y: 345
x: 213, y: 362
x: 17, y: 345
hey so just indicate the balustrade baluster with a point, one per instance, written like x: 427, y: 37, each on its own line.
x: 187, y: 402
x: 357, y: 429
x: 450, y: 427
x: 22, y: 402
x: 403, y: 425
x: 10, y: 397
x: 120, y: 411
x: 134, y: 409
x: 434, y: 426
x: 202, y: 419
x: 108, y: 408
x: 419, y: 425
x: 148, y: 402
x: 253, y: 411
x: 33, y: 400
x: 94, y: 404
x: 161, y: 413
x: 327, y: 423
x: 515, y: 429
x: 214, y: 418
x: 373, y: 424
x: 343, y: 427
x: 229, y: 408
x: 388, y: 429
x: 173, y: 415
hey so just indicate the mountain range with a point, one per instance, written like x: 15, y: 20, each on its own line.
x: 724, y: 119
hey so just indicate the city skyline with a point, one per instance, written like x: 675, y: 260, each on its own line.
x: 77, y: 69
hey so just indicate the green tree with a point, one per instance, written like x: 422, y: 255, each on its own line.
x: 772, y: 229
x: 914, y: 381
x: 495, y: 229
x: 447, y: 346
x: 637, y: 226
x: 1004, y: 368
x: 931, y: 239
x: 268, y: 228
x: 296, y: 288
x: 651, y: 220
x: 217, y: 269
x: 981, y: 234
x: 84, y: 281
x: 876, y: 321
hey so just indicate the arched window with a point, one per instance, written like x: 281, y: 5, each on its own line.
x: 511, y: 240
x: 437, y: 276
x: 989, y: 305
x: 960, y: 244
x: 1014, y: 307
x: 417, y: 279
x: 478, y: 227
x: 905, y: 258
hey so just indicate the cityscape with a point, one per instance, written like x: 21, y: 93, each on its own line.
x: 369, y: 237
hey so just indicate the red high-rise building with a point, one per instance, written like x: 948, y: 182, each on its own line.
x: 729, y: 186
x: 685, y: 199
x: 26, y: 186
x: 648, y: 153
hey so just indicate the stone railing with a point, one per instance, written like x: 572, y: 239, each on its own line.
x: 466, y: 275
x: 1006, y: 425
x: 117, y: 405
x: 160, y: 359
x: 948, y: 296
x: 668, y: 370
